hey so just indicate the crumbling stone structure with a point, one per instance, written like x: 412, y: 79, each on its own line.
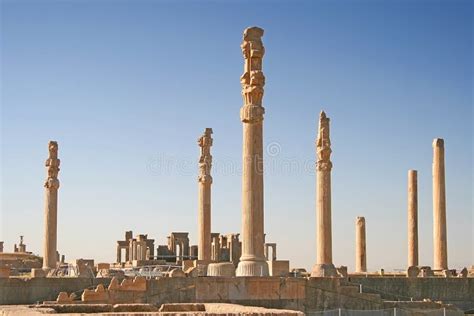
x: 139, y: 248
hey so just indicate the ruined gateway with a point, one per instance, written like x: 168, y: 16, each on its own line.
x: 225, y: 271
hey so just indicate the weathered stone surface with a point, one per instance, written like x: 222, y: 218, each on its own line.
x: 342, y: 271
x: 324, y: 270
x: 38, y: 273
x: 463, y: 273
x: 192, y: 272
x: 413, y: 271
x: 4, y: 272
x: 134, y: 308
x: 63, y: 297
x: 426, y: 271
x: 183, y: 307
x: 177, y: 273
x: 280, y: 268
x: 225, y: 269
x: 103, y: 266
x: 99, y: 295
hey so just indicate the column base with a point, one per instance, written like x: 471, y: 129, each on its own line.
x: 252, y: 268
x: 324, y: 270
x: 223, y: 269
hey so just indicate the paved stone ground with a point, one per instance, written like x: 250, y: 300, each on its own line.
x: 211, y: 309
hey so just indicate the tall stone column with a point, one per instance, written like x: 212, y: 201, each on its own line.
x: 252, y: 262
x: 361, y: 252
x: 412, y: 218
x: 440, y: 247
x: 324, y: 265
x: 51, y: 207
x: 205, y: 181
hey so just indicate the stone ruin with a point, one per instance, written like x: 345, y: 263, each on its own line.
x: 136, y: 249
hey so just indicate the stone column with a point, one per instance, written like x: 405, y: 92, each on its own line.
x: 361, y: 253
x: 119, y: 254
x: 440, y: 247
x: 412, y: 218
x: 205, y: 181
x: 51, y: 207
x: 252, y: 262
x: 324, y: 265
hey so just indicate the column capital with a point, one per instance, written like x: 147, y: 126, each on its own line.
x: 205, y: 160
x: 52, y: 166
x: 323, y: 144
x: 253, y: 79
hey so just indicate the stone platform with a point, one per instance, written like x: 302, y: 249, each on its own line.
x: 300, y: 294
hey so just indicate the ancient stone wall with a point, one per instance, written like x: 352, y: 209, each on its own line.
x: 457, y: 291
x: 271, y: 292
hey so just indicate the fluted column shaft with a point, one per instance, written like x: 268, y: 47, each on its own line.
x: 440, y: 247
x: 252, y: 193
x: 204, y: 241
x: 412, y: 218
x: 51, y: 228
x: 324, y: 225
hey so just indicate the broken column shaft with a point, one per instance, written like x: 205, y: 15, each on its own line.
x: 412, y: 218
x: 361, y: 251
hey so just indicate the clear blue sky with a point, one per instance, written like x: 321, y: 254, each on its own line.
x: 126, y: 88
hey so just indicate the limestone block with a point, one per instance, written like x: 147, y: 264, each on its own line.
x: 4, y: 272
x: 64, y: 298
x: 412, y: 272
x: 103, y: 266
x: 137, y: 284
x: 324, y: 270
x: 426, y: 272
x: 221, y: 269
x: 177, y: 273
x: 187, y: 264
x: 134, y: 308
x: 463, y: 273
x: 97, y: 295
x: 201, y: 266
x: 342, y: 271
x: 183, y: 307
x: 280, y: 268
x: 192, y: 272
x: 114, y: 284
x: 38, y: 273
